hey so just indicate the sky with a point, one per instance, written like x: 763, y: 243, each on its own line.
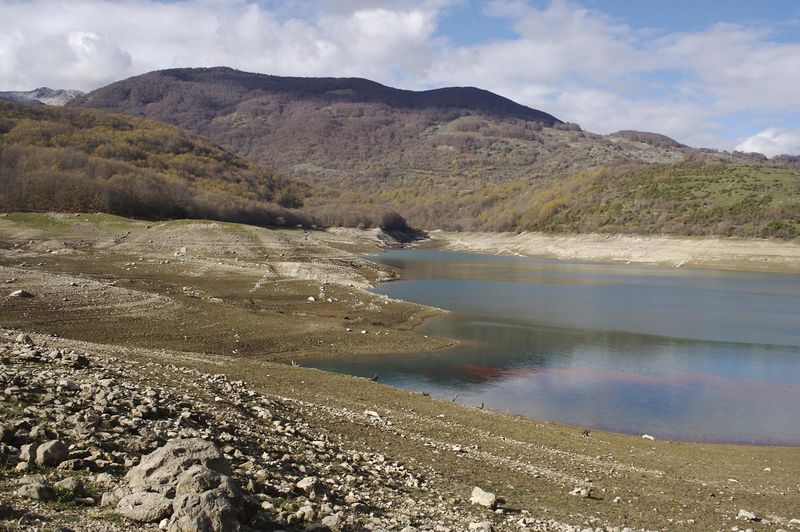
x: 710, y: 73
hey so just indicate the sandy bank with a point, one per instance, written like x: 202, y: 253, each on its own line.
x: 704, y: 252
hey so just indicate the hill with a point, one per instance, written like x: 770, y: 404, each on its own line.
x: 76, y: 159
x: 45, y: 95
x: 456, y: 158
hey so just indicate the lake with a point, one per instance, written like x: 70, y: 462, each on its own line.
x: 687, y: 354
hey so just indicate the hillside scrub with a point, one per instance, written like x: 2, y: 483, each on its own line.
x: 75, y: 160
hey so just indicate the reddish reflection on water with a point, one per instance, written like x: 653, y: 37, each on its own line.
x: 689, y: 355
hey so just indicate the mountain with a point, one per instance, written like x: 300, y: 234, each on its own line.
x: 452, y: 158
x: 45, y: 95
x: 84, y: 160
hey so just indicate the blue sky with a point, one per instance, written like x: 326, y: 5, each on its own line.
x: 708, y: 73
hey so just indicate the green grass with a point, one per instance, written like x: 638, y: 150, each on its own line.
x: 31, y: 219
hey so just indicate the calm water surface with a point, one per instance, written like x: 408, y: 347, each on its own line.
x: 679, y: 354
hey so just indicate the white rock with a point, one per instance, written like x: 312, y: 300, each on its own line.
x: 483, y: 526
x: 647, y: 437
x: 748, y: 516
x: 483, y: 498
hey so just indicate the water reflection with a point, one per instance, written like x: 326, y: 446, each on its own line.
x: 693, y: 355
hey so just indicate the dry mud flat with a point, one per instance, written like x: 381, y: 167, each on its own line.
x: 198, y: 313
x: 723, y: 253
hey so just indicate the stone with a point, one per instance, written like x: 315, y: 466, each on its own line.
x: 36, y: 490
x: 483, y: 498
x: 109, y: 498
x: 72, y: 485
x: 747, y: 516
x: 583, y: 493
x: 210, y: 511
x: 647, y: 437
x: 24, y: 339
x: 51, y: 453
x: 332, y: 521
x: 6, y: 511
x: 144, y: 507
x: 307, y: 484
x: 159, y: 470
x: 199, y: 479
x: 6, y: 433
x: 483, y: 526
x: 20, y: 293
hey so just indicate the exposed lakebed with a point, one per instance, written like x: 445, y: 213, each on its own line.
x: 697, y: 355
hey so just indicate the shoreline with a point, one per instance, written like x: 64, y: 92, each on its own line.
x: 692, y: 252
x: 235, y: 300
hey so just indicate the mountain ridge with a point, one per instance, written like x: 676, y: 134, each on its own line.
x: 467, y: 165
x: 44, y: 95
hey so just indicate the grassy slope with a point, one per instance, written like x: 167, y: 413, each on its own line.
x: 684, y: 199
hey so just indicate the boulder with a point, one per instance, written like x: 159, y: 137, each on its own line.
x: 210, y: 511
x: 199, y: 479
x: 483, y: 526
x: 159, y: 470
x: 144, y: 507
x: 51, y: 453
x: 483, y: 498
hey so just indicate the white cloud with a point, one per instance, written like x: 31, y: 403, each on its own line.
x: 564, y: 58
x: 773, y: 141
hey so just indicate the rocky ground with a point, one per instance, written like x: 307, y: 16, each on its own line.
x: 155, y: 389
x: 92, y: 442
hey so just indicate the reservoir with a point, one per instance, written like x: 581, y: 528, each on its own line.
x: 686, y: 354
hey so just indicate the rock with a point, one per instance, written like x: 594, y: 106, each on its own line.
x: 72, y: 485
x: 318, y: 527
x: 483, y: 526
x: 20, y: 293
x: 109, y: 498
x: 51, y: 453
x: 159, y: 470
x: 144, y: 507
x: 332, y: 521
x: 36, y: 490
x: 647, y: 437
x: 583, y: 493
x: 483, y: 498
x: 747, y: 516
x: 210, y: 511
x: 307, y: 484
x: 27, y: 453
x: 6, y: 511
x: 199, y: 479
x: 6, y: 433
x: 24, y: 339
x: 68, y: 385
